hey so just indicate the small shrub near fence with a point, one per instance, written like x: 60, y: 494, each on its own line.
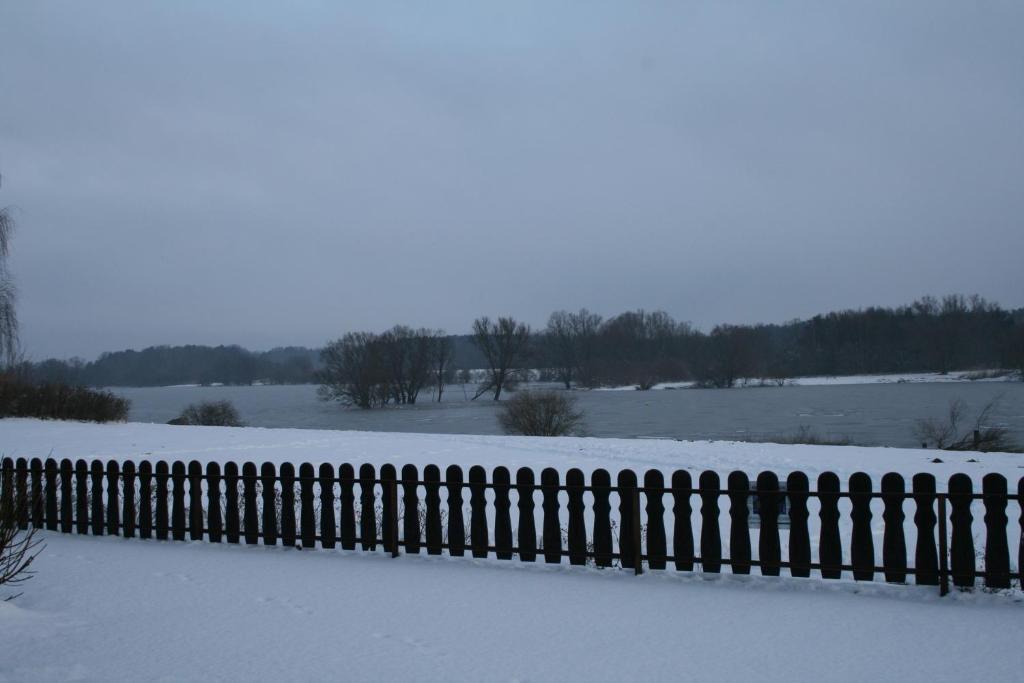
x: 630, y: 523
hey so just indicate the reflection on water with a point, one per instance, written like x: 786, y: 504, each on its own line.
x: 870, y: 414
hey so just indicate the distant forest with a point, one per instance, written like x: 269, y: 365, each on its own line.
x: 636, y: 347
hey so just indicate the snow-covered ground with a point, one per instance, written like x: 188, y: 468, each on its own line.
x: 837, y: 380
x: 127, y: 609
x: 109, y: 609
x: 136, y: 441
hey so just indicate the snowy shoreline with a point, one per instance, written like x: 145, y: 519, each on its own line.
x: 29, y: 438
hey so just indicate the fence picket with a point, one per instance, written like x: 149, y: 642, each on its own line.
x: 81, y: 496
x: 328, y: 524
x: 797, y: 487
x: 1020, y: 523
x: 577, y: 533
x: 769, y: 550
x: 894, y: 544
x: 250, y: 479
x: 214, y: 519
x: 601, y: 482
x: 654, y: 482
x: 67, y: 500
x: 411, y: 504
x: 432, y: 485
x: 287, y: 516
x: 113, y: 499
x: 232, y: 523
x: 36, y: 475
x: 629, y: 540
x: 527, y: 530
x: 128, y: 500
x: 389, y: 511
x: 456, y: 523
x: 862, y: 547
x: 51, y: 494
x: 552, y: 525
x: 926, y: 556
x: 739, y: 527
x: 21, y: 496
x: 830, y: 546
x: 268, y: 485
x: 961, y: 547
x: 502, y: 513
x: 178, y: 500
x: 195, y: 501
x: 478, y: 511
x: 7, y: 493
x: 307, y: 518
x: 367, y: 507
x: 250, y: 518
x: 347, y: 478
x: 145, y: 499
x: 997, y: 554
x: 682, y: 526
x: 710, y: 534
x: 96, y: 500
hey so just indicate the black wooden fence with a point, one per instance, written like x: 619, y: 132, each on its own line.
x: 370, y: 510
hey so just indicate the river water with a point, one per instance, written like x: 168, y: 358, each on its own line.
x: 868, y: 414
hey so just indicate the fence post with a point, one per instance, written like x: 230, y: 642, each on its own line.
x: 411, y: 502
x: 389, y: 509
x: 830, y: 548
x: 51, y: 494
x: 894, y: 544
x: 997, y: 554
x: 145, y: 499
x: 943, y: 547
x: 739, y: 528
x: 502, y: 513
x: 432, y: 501
x: 328, y: 527
x: 601, y: 482
x: 36, y: 473
x: 577, y: 522
x: 629, y: 537
x: 307, y: 519
x: 268, y: 475
x: 798, y: 491
x: 710, y: 533
x: 638, y: 562
x: 552, y: 529
x: 862, y: 546
x: 682, y: 527
x: 394, y: 518
x: 456, y: 524
x: 527, y: 528
x: 961, y: 547
x: 96, y: 473
x: 478, y: 533
x: 654, y: 482
x: 287, y: 518
x: 926, y: 558
x: 113, y: 500
x: 128, y: 500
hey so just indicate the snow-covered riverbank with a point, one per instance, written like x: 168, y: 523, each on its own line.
x: 137, y: 441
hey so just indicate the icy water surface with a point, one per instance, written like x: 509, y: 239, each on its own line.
x: 869, y: 414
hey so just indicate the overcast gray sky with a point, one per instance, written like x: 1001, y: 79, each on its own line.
x: 244, y: 173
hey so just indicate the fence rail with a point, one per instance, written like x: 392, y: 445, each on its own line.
x: 403, y: 512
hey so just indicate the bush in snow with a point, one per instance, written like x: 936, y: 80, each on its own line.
x: 56, y: 401
x: 540, y: 413
x: 209, y: 414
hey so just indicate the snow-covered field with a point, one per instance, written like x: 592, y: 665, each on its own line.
x: 127, y: 609
x: 108, y: 609
x: 136, y: 441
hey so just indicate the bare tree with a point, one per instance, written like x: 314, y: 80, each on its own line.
x: 354, y: 371
x: 949, y: 435
x: 8, y: 296
x: 570, y: 338
x: 442, y: 359
x: 407, y: 357
x: 504, y: 344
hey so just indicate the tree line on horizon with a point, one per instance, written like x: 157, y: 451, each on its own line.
x: 584, y: 349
